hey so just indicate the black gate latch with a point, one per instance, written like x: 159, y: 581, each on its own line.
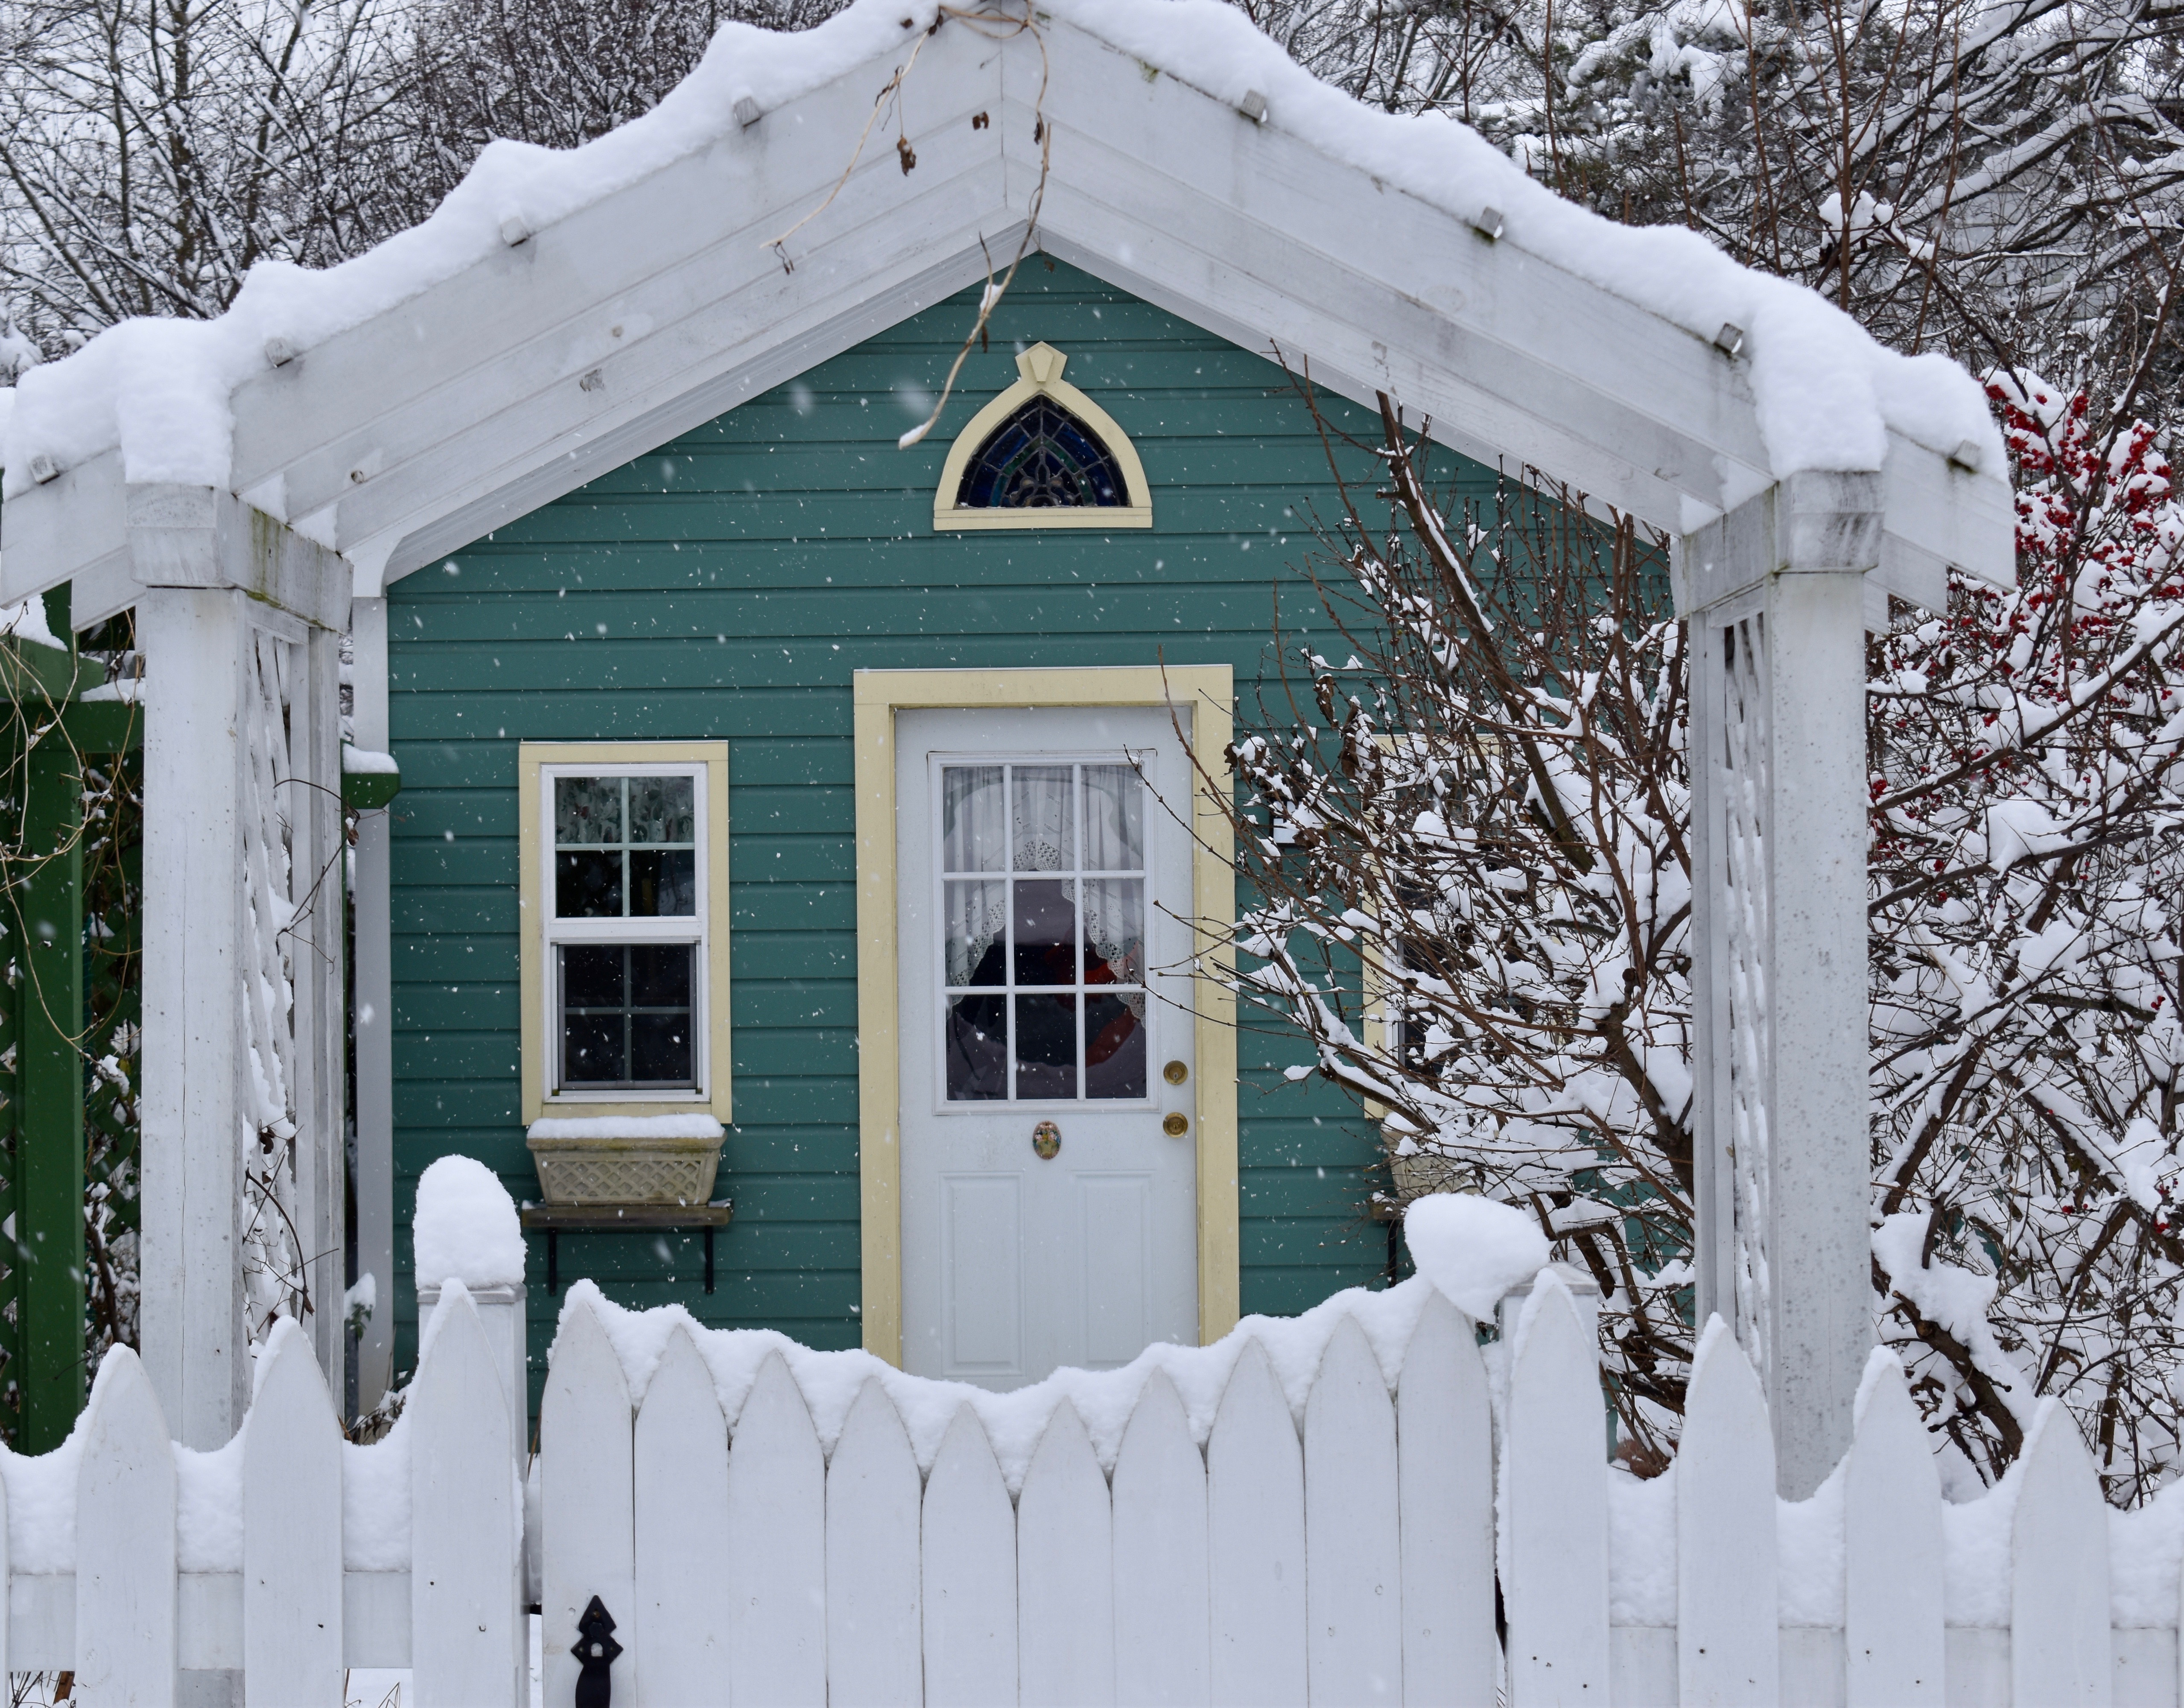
x: 596, y: 1649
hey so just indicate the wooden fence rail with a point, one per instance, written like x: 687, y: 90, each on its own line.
x: 1344, y: 1550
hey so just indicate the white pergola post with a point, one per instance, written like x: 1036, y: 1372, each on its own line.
x: 242, y: 934
x: 1775, y: 595
x: 375, y: 1024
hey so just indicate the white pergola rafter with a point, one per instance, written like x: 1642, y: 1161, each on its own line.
x: 579, y: 342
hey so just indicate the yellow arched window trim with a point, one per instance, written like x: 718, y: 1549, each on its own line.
x: 1038, y: 374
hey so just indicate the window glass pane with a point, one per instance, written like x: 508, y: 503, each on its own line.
x: 973, y: 821
x: 976, y: 909
x: 1046, y: 1047
x: 1115, y: 1044
x: 662, y: 810
x: 1044, y: 839
x: 587, y: 884
x: 592, y: 975
x: 626, y: 1014
x: 976, y: 1044
x: 1046, y: 922
x: 1114, y: 818
x: 1114, y: 930
x: 587, y: 811
x: 663, y: 883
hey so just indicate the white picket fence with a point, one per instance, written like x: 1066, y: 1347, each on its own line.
x: 1351, y: 1559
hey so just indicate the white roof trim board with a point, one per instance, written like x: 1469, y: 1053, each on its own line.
x: 563, y: 312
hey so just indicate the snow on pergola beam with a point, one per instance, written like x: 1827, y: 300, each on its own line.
x: 541, y: 364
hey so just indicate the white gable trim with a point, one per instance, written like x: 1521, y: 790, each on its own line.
x: 631, y: 320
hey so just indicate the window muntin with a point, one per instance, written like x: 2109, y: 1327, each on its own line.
x: 626, y: 930
x: 1043, y: 929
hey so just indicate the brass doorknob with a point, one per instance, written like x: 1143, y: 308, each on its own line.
x: 1175, y: 1126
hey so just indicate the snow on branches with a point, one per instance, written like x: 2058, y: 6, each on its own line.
x: 1473, y: 884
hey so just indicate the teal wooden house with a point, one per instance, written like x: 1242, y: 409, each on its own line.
x: 813, y: 830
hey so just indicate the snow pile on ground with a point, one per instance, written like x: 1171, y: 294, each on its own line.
x: 1825, y: 391
x: 467, y: 1228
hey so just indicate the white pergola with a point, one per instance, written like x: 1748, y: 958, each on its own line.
x: 580, y: 327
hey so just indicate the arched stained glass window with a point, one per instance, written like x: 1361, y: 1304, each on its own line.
x: 1042, y: 454
x: 1042, y: 457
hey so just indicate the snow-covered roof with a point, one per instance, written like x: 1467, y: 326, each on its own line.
x: 562, y: 312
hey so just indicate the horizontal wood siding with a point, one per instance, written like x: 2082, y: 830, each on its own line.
x: 725, y: 586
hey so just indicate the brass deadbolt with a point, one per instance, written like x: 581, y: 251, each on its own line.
x: 1175, y: 1073
x: 1175, y: 1126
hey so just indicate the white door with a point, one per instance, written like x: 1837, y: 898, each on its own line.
x: 1049, y: 1095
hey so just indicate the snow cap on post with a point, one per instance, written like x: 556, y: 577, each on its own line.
x: 466, y: 1227
x: 1474, y: 1249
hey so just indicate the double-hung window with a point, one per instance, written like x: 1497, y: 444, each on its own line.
x: 625, y: 893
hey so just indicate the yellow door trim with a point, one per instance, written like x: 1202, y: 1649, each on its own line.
x: 1209, y: 690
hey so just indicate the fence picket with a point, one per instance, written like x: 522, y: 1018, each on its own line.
x: 291, y: 1531
x: 1255, y: 1541
x: 124, y: 1543
x: 1727, y: 1651
x: 1353, y: 1548
x: 1161, y: 1635
x: 1445, y: 1470
x: 2058, y: 1615
x: 468, y: 1637
x: 872, y: 1499
x: 1065, y: 1571
x: 968, y: 1544
x: 586, y: 1491
x: 1555, y: 1481
x: 1893, y: 1550
x: 680, y: 1513
x: 777, y: 1547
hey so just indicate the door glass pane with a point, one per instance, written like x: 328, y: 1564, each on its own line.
x: 1114, y: 818
x: 976, y: 910
x: 1045, y: 927
x: 1047, y: 1046
x: 973, y: 819
x: 1115, y: 1044
x: 976, y: 1044
x: 1114, y: 930
x: 1046, y: 839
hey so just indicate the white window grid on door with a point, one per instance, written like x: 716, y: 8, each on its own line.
x: 1142, y: 763
x: 691, y: 929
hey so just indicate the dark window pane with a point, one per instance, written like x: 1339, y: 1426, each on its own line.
x: 587, y: 810
x: 592, y: 975
x: 1046, y: 931
x: 592, y: 1049
x: 663, y: 883
x: 1115, y: 1047
x: 588, y: 885
x: 1046, y: 1047
x: 659, y: 1047
x: 659, y: 975
x: 977, y: 1046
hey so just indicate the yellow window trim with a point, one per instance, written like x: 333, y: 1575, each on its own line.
x: 1038, y: 374
x: 531, y: 756
x: 1209, y: 690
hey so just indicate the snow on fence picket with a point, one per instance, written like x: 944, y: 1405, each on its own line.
x: 1308, y: 1510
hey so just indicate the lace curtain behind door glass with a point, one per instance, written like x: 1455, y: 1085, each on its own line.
x: 1044, y: 960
